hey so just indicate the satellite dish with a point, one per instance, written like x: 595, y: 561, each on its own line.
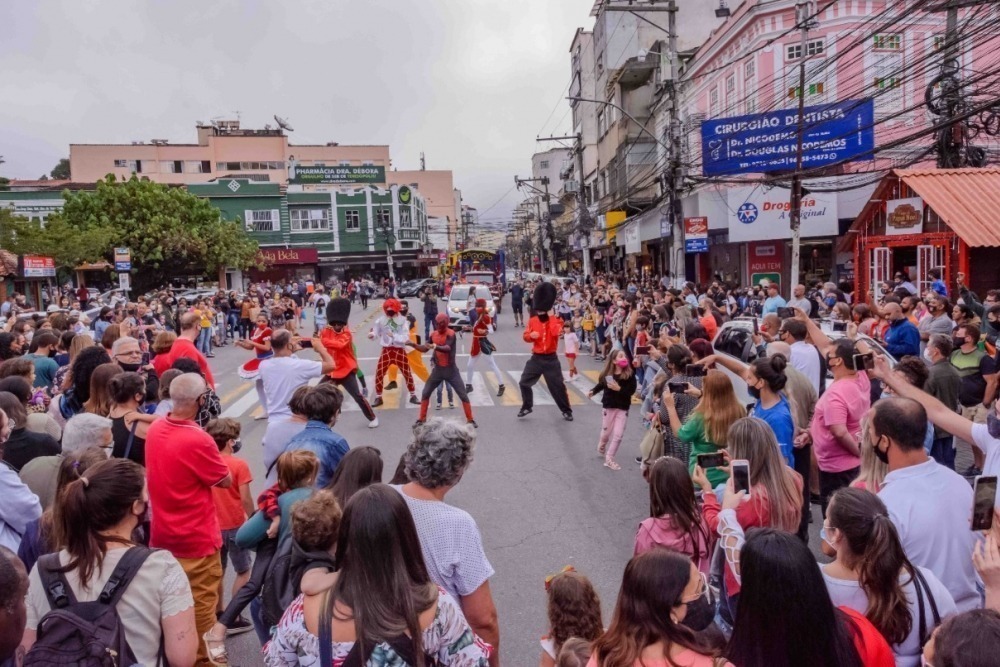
x: 282, y: 123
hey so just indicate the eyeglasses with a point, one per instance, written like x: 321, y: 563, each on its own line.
x: 702, y: 589
x: 130, y: 353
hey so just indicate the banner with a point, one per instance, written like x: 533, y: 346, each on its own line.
x: 315, y: 175
x: 756, y: 215
x: 904, y: 216
x: 832, y: 133
x: 276, y: 256
x: 39, y: 267
x: 695, y: 235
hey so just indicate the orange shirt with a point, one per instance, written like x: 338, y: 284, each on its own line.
x: 549, y: 333
x: 229, y: 501
x: 341, y: 348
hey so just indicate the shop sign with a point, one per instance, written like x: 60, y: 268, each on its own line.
x: 277, y: 256
x: 832, y: 133
x: 317, y: 175
x: 696, y: 235
x: 39, y: 267
x: 123, y: 259
x: 405, y: 195
x: 764, y: 257
x: 904, y: 216
x: 758, y: 215
x: 124, y: 281
x: 633, y: 246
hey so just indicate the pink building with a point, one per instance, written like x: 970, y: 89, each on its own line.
x: 855, y: 49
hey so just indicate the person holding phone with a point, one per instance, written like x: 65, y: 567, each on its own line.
x: 617, y: 383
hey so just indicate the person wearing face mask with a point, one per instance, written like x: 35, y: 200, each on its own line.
x: 929, y: 504
x: 977, y: 371
x: 618, y: 384
x: 128, y: 355
x: 937, y: 320
x: 443, y: 368
x: 902, y: 338
x: 40, y: 352
x: 393, y: 333
x: 129, y: 424
x: 413, y: 356
x: 944, y: 384
x: 339, y: 342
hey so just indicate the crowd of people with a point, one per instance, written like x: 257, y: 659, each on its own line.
x: 123, y: 499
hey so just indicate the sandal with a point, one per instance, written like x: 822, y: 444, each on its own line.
x: 216, y: 649
x: 610, y: 464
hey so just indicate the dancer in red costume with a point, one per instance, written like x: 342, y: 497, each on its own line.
x: 339, y: 342
x: 444, y: 368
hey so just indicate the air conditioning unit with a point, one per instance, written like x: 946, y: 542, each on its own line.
x: 571, y: 186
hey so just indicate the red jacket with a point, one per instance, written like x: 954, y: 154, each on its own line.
x: 549, y: 333
x: 341, y: 348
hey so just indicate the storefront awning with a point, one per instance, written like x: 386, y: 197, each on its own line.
x: 967, y: 200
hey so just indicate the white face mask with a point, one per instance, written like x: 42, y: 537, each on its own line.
x: 927, y: 355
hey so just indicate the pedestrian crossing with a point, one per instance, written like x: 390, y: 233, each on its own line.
x: 241, y: 400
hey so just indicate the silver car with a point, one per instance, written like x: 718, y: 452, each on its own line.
x: 458, y: 304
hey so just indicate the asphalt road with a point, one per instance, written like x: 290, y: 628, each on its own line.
x: 537, y: 487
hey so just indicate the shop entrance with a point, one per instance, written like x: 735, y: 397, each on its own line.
x: 914, y: 261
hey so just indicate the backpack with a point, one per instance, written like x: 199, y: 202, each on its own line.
x: 84, y: 633
x: 278, y: 589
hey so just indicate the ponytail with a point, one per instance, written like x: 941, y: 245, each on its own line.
x: 878, y: 559
x: 94, y: 503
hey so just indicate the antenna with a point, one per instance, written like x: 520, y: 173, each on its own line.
x: 282, y: 123
x: 423, y: 162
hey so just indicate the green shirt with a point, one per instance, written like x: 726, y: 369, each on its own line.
x: 693, y: 432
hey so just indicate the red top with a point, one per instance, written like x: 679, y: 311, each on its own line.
x: 480, y: 330
x: 341, y: 348
x: 444, y: 359
x: 182, y: 465
x: 229, y: 502
x: 183, y: 347
x: 872, y: 646
x: 549, y: 333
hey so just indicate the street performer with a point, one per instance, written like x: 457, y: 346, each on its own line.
x: 444, y: 368
x: 339, y: 342
x: 543, y: 332
x: 393, y: 334
x: 482, y: 346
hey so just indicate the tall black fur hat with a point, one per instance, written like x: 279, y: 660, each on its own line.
x: 544, y: 297
x: 338, y: 311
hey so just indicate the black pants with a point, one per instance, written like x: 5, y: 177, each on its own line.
x: 350, y: 385
x: 441, y: 375
x: 831, y: 481
x: 518, y: 309
x: 364, y: 301
x: 547, y: 366
x: 801, y: 456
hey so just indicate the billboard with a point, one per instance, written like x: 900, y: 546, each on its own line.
x: 696, y: 235
x: 756, y: 214
x: 36, y: 266
x: 316, y: 175
x: 832, y: 133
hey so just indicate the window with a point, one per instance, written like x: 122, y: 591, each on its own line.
x: 886, y: 78
x: 750, y: 69
x: 262, y: 221
x: 544, y: 164
x: 404, y: 218
x: 730, y: 85
x: 121, y: 163
x: 367, y: 163
x: 887, y: 42
x: 601, y: 125
x: 714, y: 102
x: 384, y: 217
x: 246, y: 166
x: 815, y: 47
x: 345, y: 163
x: 309, y: 219
x: 352, y: 220
x: 197, y: 166
x: 171, y: 166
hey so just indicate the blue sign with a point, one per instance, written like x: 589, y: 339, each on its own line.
x: 695, y: 245
x: 123, y: 267
x: 832, y: 133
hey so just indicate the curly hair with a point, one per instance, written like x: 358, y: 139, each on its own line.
x: 316, y: 521
x: 440, y: 453
x: 574, y: 609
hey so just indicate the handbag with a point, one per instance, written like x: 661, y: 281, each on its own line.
x: 486, y: 347
x: 651, y: 447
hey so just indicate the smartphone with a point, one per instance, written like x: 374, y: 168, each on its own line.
x: 785, y: 313
x: 641, y: 349
x: 707, y: 461
x: 145, y: 358
x: 984, y: 498
x: 695, y: 370
x: 419, y: 340
x: 756, y: 326
x: 865, y: 362
x: 741, y: 476
x: 678, y: 388
x: 306, y: 342
x: 840, y: 326
x: 608, y: 379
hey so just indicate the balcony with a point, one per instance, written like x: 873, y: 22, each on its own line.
x: 407, y: 234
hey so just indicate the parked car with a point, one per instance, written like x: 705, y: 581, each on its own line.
x: 735, y: 340
x: 458, y: 304
x: 413, y: 288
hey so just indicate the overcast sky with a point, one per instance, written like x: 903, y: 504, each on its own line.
x: 469, y: 82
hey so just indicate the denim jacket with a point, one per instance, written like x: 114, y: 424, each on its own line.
x: 328, y: 445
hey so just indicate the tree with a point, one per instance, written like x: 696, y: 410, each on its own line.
x: 169, y: 231
x: 61, y: 170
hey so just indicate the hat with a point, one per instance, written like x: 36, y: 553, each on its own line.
x: 480, y: 303
x: 391, y: 304
x: 338, y: 310
x: 544, y: 297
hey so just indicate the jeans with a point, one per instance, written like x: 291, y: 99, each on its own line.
x: 428, y: 324
x: 205, y: 340
x: 263, y: 632
x: 802, y: 457
x: 232, y: 322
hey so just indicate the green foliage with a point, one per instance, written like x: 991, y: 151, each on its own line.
x: 169, y: 231
x: 61, y: 170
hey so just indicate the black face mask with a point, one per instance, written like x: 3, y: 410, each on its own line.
x: 700, y: 613
x: 237, y: 445
x: 882, y: 456
x: 957, y: 342
x: 753, y: 391
x: 130, y: 368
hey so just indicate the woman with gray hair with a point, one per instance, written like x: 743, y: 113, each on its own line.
x: 435, y: 461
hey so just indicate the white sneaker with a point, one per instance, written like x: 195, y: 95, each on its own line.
x: 373, y: 423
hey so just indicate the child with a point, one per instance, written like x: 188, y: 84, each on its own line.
x: 296, y: 469
x: 616, y: 401
x: 574, y: 653
x: 233, y: 505
x: 574, y: 610
x: 315, y: 528
x: 572, y: 345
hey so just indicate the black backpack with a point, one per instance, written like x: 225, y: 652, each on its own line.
x: 84, y: 633
x: 278, y: 589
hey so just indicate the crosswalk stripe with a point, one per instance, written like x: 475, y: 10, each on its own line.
x: 232, y: 394
x: 540, y: 392
x: 511, y: 394
x: 482, y: 395
x: 245, y: 402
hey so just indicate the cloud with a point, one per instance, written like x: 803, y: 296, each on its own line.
x: 468, y: 82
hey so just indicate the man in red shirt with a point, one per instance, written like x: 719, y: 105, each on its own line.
x: 543, y: 332
x: 443, y: 368
x: 183, y: 465
x: 184, y: 347
x: 339, y: 342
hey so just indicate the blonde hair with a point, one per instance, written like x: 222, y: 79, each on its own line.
x: 718, y: 406
x: 873, y: 471
x: 296, y: 469
x: 772, y: 481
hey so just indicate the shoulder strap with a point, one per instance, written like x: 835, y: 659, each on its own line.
x: 57, y: 588
x: 123, y: 574
x: 131, y: 439
x: 921, y: 582
x: 326, y: 632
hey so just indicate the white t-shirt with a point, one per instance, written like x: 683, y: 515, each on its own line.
x: 805, y: 359
x: 990, y: 446
x: 931, y: 507
x: 281, y: 376
x: 451, y: 544
x: 159, y: 589
x: 847, y: 593
x: 571, y: 343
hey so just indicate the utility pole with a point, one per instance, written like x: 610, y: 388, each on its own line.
x: 385, y: 231
x: 803, y: 12
x: 547, y: 236
x: 677, y: 261
x: 544, y: 180
x: 580, y: 204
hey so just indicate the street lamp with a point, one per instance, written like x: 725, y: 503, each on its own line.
x: 384, y: 228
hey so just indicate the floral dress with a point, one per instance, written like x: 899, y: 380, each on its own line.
x: 449, y: 638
